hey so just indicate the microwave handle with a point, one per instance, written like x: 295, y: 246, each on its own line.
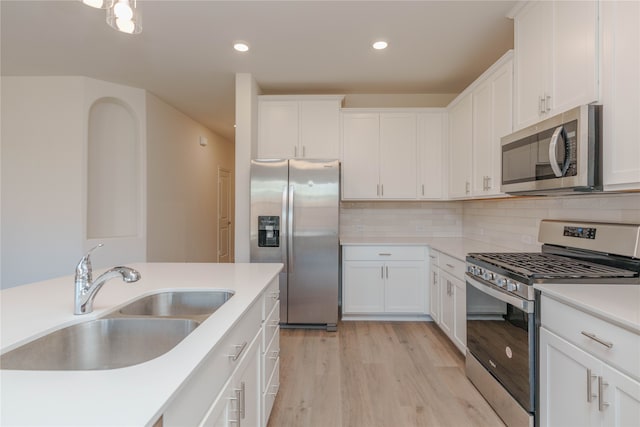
x: 553, y: 160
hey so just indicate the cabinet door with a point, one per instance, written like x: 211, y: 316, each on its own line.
x: 398, y: 156
x: 621, y: 94
x: 460, y: 314
x: 460, y: 143
x: 533, y: 30
x: 566, y: 375
x: 434, y: 298
x: 446, y: 303
x: 405, y: 287
x: 363, y: 287
x: 574, y: 68
x: 360, y: 156
x: 247, y: 387
x: 492, y: 119
x: 431, y: 132
x: 623, y: 397
x: 278, y: 130
x: 319, y: 129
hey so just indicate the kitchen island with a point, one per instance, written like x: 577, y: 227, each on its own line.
x: 134, y: 395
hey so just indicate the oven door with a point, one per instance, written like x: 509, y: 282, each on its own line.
x: 503, y: 340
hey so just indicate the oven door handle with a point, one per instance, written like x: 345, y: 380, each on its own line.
x: 522, y: 304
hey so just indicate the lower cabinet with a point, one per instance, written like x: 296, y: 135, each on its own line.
x: 237, y: 383
x: 453, y: 294
x: 384, y: 280
x: 589, y: 370
x: 434, y: 287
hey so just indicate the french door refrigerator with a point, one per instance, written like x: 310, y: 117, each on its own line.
x: 295, y: 221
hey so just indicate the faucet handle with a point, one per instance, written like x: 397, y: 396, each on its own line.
x: 83, y: 269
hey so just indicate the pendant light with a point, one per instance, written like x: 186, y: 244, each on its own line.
x: 124, y: 16
x: 98, y: 4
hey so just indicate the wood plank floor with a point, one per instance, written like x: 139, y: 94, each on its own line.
x: 375, y: 374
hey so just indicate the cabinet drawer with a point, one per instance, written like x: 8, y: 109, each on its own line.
x: 384, y: 253
x: 271, y: 325
x: 269, y: 359
x: 434, y: 258
x: 570, y: 323
x: 452, y: 265
x: 270, y: 297
x: 205, y: 383
x: 269, y: 396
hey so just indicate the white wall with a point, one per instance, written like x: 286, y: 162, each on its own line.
x: 247, y: 92
x: 182, y: 196
x: 42, y: 177
x: 44, y: 149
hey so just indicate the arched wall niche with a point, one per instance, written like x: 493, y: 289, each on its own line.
x: 113, y: 172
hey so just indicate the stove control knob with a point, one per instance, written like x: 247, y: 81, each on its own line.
x: 511, y: 285
x: 489, y: 276
x: 501, y: 282
x: 471, y: 269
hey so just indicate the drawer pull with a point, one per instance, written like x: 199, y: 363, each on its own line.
x: 275, y: 295
x: 450, y: 266
x: 240, y: 348
x: 275, y: 323
x: 433, y: 256
x: 275, y: 387
x: 597, y: 339
x: 384, y: 254
x: 274, y: 355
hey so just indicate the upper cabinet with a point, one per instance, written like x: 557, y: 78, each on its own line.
x: 432, y: 131
x: 556, y: 58
x: 379, y: 155
x: 621, y: 94
x: 478, y: 119
x: 299, y: 126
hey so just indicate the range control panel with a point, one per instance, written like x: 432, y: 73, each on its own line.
x: 580, y: 232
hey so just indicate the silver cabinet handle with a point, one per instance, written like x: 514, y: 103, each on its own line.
x: 384, y: 254
x: 378, y: 190
x: 387, y: 268
x: 593, y: 336
x: 602, y: 405
x: 590, y: 378
x: 275, y: 390
x: 467, y: 188
x: 304, y: 151
x: 275, y: 323
x: 541, y: 105
x: 275, y: 295
x: 423, y: 189
x: 237, y: 397
x: 382, y: 272
x: 274, y: 355
x: 242, y: 399
x: 239, y: 349
x: 488, y: 183
x: 450, y: 266
x: 435, y: 278
x: 547, y: 103
x: 295, y: 151
x: 382, y: 190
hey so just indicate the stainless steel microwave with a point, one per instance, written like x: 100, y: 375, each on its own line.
x: 562, y: 154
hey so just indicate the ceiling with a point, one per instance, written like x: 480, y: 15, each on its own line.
x: 184, y: 54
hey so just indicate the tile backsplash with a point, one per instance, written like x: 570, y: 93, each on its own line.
x: 509, y: 222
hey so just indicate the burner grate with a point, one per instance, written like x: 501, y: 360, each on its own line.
x: 540, y: 265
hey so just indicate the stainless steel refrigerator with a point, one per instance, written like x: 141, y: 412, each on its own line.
x: 295, y: 221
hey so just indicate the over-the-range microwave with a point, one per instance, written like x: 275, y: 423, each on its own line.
x: 562, y: 154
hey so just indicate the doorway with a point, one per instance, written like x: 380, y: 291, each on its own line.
x: 224, y: 216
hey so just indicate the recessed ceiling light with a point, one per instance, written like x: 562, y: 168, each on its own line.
x: 241, y: 46
x: 379, y: 45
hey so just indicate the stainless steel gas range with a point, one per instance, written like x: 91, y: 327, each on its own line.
x: 502, y: 329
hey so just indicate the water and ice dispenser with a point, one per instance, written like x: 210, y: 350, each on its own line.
x: 268, y: 231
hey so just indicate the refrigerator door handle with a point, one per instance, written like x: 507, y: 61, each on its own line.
x: 290, y: 228
x: 285, y: 232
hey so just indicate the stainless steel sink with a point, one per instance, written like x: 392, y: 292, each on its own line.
x: 193, y: 304
x: 100, y: 344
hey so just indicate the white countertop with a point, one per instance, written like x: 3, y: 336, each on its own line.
x: 134, y: 395
x: 457, y: 247
x: 619, y: 304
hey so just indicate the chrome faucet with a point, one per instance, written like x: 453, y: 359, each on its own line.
x: 87, y: 288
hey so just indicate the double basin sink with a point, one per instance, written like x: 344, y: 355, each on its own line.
x: 140, y: 331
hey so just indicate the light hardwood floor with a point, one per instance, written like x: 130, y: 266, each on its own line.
x: 375, y: 374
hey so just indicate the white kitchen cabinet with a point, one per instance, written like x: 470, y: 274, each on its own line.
x: 556, y: 58
x: 454, y: 309
x: 621, y: 94
x: 299, y: 126
x: 384, y: 280
x: 460, y: 147
x: 379, y: 157
x: 431, y: 134
x: 492, y: 119
x: 434, y: 287
x: 589, y: 370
